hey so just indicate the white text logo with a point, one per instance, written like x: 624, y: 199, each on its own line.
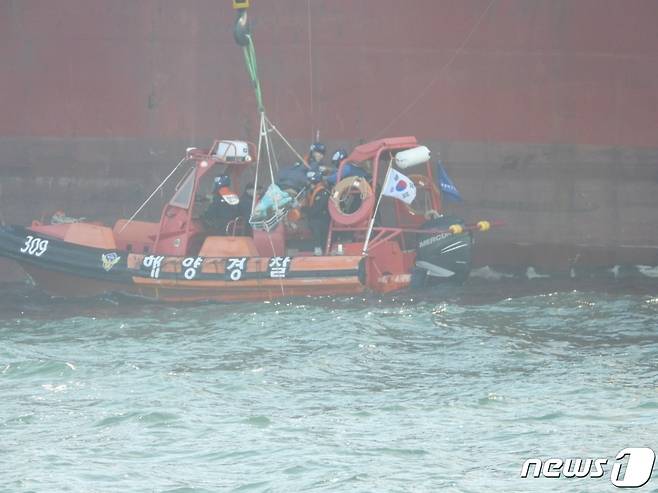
x: 633, y: 473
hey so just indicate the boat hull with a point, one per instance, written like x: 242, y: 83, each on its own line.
x: 60, y: 284
x: 173, y: 291
x: 70, y: 270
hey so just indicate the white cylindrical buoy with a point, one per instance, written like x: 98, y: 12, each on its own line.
x: 412, y: 157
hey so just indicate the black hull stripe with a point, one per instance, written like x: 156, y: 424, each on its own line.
x: 85, y: 262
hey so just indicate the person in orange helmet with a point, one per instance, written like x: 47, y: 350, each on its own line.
x: 224, y: 208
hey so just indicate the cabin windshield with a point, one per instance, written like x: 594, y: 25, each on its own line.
x: 183, y: 196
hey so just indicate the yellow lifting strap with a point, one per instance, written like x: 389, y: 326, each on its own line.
x: 240, y: 4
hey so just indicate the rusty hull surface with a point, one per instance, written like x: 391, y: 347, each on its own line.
x: 545, y: 115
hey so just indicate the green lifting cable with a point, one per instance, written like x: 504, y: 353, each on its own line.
x: 252, y: 67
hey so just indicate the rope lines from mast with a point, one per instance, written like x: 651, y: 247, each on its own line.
x: 162, y: 183
x: 310, y: 65
x: 243, y: 36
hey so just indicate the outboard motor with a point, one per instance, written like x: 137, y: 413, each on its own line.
x: 442, y: 257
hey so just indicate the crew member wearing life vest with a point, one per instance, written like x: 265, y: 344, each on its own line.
x: 349, y: 169
x: 317, y: 212
x: 315, y: 159
x: 223, y: 209
x: 293, y: 178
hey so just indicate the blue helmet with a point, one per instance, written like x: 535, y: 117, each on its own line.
x: 338, y: 156
x: 314, y: 176
x: 318, y: 147
x: 221, y: 181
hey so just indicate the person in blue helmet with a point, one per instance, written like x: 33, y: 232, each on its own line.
x: 317, y: 211
x: 223, y: 209
x: 349, y: 169
x: 316, y: 157
x: 293, y: 177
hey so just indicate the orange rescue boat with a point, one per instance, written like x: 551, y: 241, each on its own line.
x: 377, y: 245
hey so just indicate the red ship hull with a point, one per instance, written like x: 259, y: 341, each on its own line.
x: 543, y: 111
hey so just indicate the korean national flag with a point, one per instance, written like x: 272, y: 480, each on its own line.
x: 400, y: 187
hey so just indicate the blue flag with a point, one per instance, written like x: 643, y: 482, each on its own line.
x: 447, y: 187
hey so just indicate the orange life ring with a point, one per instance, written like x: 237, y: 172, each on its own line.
x: 342, y: 189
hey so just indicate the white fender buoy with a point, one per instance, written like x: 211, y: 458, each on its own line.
x: 412, y: 157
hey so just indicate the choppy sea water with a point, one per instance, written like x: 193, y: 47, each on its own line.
x: 449, y: 392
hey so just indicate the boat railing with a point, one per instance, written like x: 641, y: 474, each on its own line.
x: 381, y: 234
x: 271, y: 222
